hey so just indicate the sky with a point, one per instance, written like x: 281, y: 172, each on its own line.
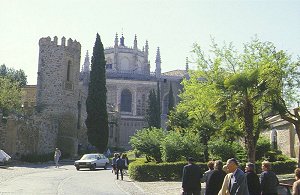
x: 172, y: 25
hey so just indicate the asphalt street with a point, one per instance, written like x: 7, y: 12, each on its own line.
x: 43, y: 179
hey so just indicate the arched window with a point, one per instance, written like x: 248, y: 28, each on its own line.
x: 69, y: 70
x: 273, y: 136
x: 126, y: 100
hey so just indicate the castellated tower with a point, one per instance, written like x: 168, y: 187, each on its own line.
x: 57, y: 94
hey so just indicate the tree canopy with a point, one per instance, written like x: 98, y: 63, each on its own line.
x: 14, y: 75
x: 10, y: 95
x: 239, y: 87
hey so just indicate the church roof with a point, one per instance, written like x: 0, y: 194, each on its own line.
x: 179, y: 73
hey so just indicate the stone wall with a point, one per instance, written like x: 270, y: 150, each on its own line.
x: 285, y: 134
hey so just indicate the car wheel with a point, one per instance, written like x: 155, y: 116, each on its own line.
x: 93, y: 167
x: 77, y: 168
x: 105, y: 166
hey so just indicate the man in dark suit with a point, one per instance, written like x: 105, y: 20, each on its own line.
x: 215, y: 180
x: 252, y: 179
x: 238, y: 181
x: 191, y: 178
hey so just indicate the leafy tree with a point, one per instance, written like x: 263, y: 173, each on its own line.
x: 286, y: 94
x: 10, y: 95
x: 14, y: 75
x: 148, y: 141
x: 178, y: 120
x: 97, y: 117
x: 234, y: 86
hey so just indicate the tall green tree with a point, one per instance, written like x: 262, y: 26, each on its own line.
x: 153, y: 113
x: 171, y: 103
x: 97, y: 117
x: 158, y: 118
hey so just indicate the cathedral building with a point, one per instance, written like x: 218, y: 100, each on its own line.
x: 129, y: 81
x: 55, y: 112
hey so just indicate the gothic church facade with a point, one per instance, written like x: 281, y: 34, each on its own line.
x: 56, y: 117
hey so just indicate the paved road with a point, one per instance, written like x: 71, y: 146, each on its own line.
x: 45, y: 179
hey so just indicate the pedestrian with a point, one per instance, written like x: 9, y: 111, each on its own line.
x: 191, y: 178
x: 57, y: 155
x: 296, y: 184
x: 114, y: 163
x: 210, y: 166
x: 225, y: 186
x: 238, y: 181
x: 126, y: 162
x: 252, y: 179
x: 268, y: 180
x: 120, y: 167
x: 215, y: 180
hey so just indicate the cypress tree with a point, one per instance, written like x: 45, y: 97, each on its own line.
x: 152, y: 108
x: 171, y: 103
x: 158, y: 112
x: 97, y: 117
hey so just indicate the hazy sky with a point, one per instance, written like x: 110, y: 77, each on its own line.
x: 172, y: 25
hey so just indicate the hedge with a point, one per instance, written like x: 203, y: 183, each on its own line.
x: 278, y: 167
x: 141, y: 171
x: 152, y: 171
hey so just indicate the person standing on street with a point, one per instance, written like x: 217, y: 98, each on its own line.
x: 191, y: 178
x: 252, y: 179
x: 210, y: 166
x: 268, y: 180
x: 215, y: 180
x: 120, y: 166
x: 114, y: 163
x: 238, y: 181
x: 57, y: 155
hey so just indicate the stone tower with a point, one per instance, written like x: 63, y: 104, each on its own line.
x: 57, y: 93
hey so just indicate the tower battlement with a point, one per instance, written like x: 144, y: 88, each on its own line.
x: 70, y: 43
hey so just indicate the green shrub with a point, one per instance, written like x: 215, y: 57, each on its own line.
x: 148, y: 141
x: 284, y: 167
x: 141, y: 171
x: 221, y: 150
x: 178, y: 146
x: 279, y: 167
x: 262, y: 147
x: 172, y: 147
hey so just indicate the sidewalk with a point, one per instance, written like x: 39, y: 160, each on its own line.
x: 146, y: 188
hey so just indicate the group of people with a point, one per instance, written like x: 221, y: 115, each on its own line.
x: 120, y: 164
x: 230, y: 179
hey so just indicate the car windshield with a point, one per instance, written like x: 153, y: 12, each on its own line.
x: 88, y: 157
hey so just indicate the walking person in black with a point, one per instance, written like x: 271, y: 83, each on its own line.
x: 252, y: 179
x: 120, y: 166
x: 215, y: 180
x: 191, y: 178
